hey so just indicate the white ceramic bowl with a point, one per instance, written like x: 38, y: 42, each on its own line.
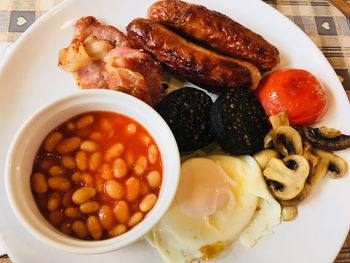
x: 29, y: 138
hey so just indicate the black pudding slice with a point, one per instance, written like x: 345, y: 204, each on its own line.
x: 238, y: 122
x: 187, y: 111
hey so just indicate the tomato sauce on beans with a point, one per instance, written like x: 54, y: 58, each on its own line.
x: 97, y: 175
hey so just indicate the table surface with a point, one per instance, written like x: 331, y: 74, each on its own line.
x: 323, y: 23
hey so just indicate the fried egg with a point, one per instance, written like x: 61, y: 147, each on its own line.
x: 220, y: 199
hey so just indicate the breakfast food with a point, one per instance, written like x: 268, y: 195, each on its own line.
x: 215, y: 30
x: 97, y: 175
x: 186, y: 111
x: 292, y: 166
x: 200, y: 66
x: 326, y: 138
x: 238, y: 122
x: 100, y: 56
x: 287, y: 176
x: 296, y: 91
x: 89, y: 26
x: 220, y: 199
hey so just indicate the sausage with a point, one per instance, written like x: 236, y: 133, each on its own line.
x: 216, y: 31
x: 200, y: 66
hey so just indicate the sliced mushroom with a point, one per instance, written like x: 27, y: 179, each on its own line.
x: 309, y: 156
x: 330, y: 164
x: 268, y: 139
x: 280, y: 119
x: 289, y: 213
x: 291, y: 173
x: 264, y: 156
x: 287, y: 141
x: 299, y: 198
x: 326, y: 138
x: 320, y: 171
x: 329, y: 132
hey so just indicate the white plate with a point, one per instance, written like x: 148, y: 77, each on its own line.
x: 30, y: 78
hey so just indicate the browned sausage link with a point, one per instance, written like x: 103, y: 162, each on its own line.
x: 216, y: 30
x: 200, y: 66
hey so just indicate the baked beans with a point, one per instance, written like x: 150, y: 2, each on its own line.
x: 97, y: 175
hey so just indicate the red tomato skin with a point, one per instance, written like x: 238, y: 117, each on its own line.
x: 296, y: 91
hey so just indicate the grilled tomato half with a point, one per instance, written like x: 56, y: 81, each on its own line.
x: 296, y: 91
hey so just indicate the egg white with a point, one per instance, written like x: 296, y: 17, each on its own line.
x: 269, y: 213
x: 216, y: 204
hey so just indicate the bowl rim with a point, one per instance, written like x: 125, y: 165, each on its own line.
x: 75, y: 245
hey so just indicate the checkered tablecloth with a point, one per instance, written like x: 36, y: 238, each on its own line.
x: 323, y: 23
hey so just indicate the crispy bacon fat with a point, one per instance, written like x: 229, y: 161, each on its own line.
x: 100, y: 56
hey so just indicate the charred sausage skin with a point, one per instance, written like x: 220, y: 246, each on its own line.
x: 216, y: 31
x: 200, y: 66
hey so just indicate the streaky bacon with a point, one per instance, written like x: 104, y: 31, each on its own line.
x: 91, y: 76
x: 90, y: 26
x: 123, y: 68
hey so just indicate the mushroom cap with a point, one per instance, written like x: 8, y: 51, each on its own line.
x: 287, y: 141
x: 325, y: 141
x: 330, y: 164
x: 299, y: 198
x: 264, y: 156
x: 291, y: 173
